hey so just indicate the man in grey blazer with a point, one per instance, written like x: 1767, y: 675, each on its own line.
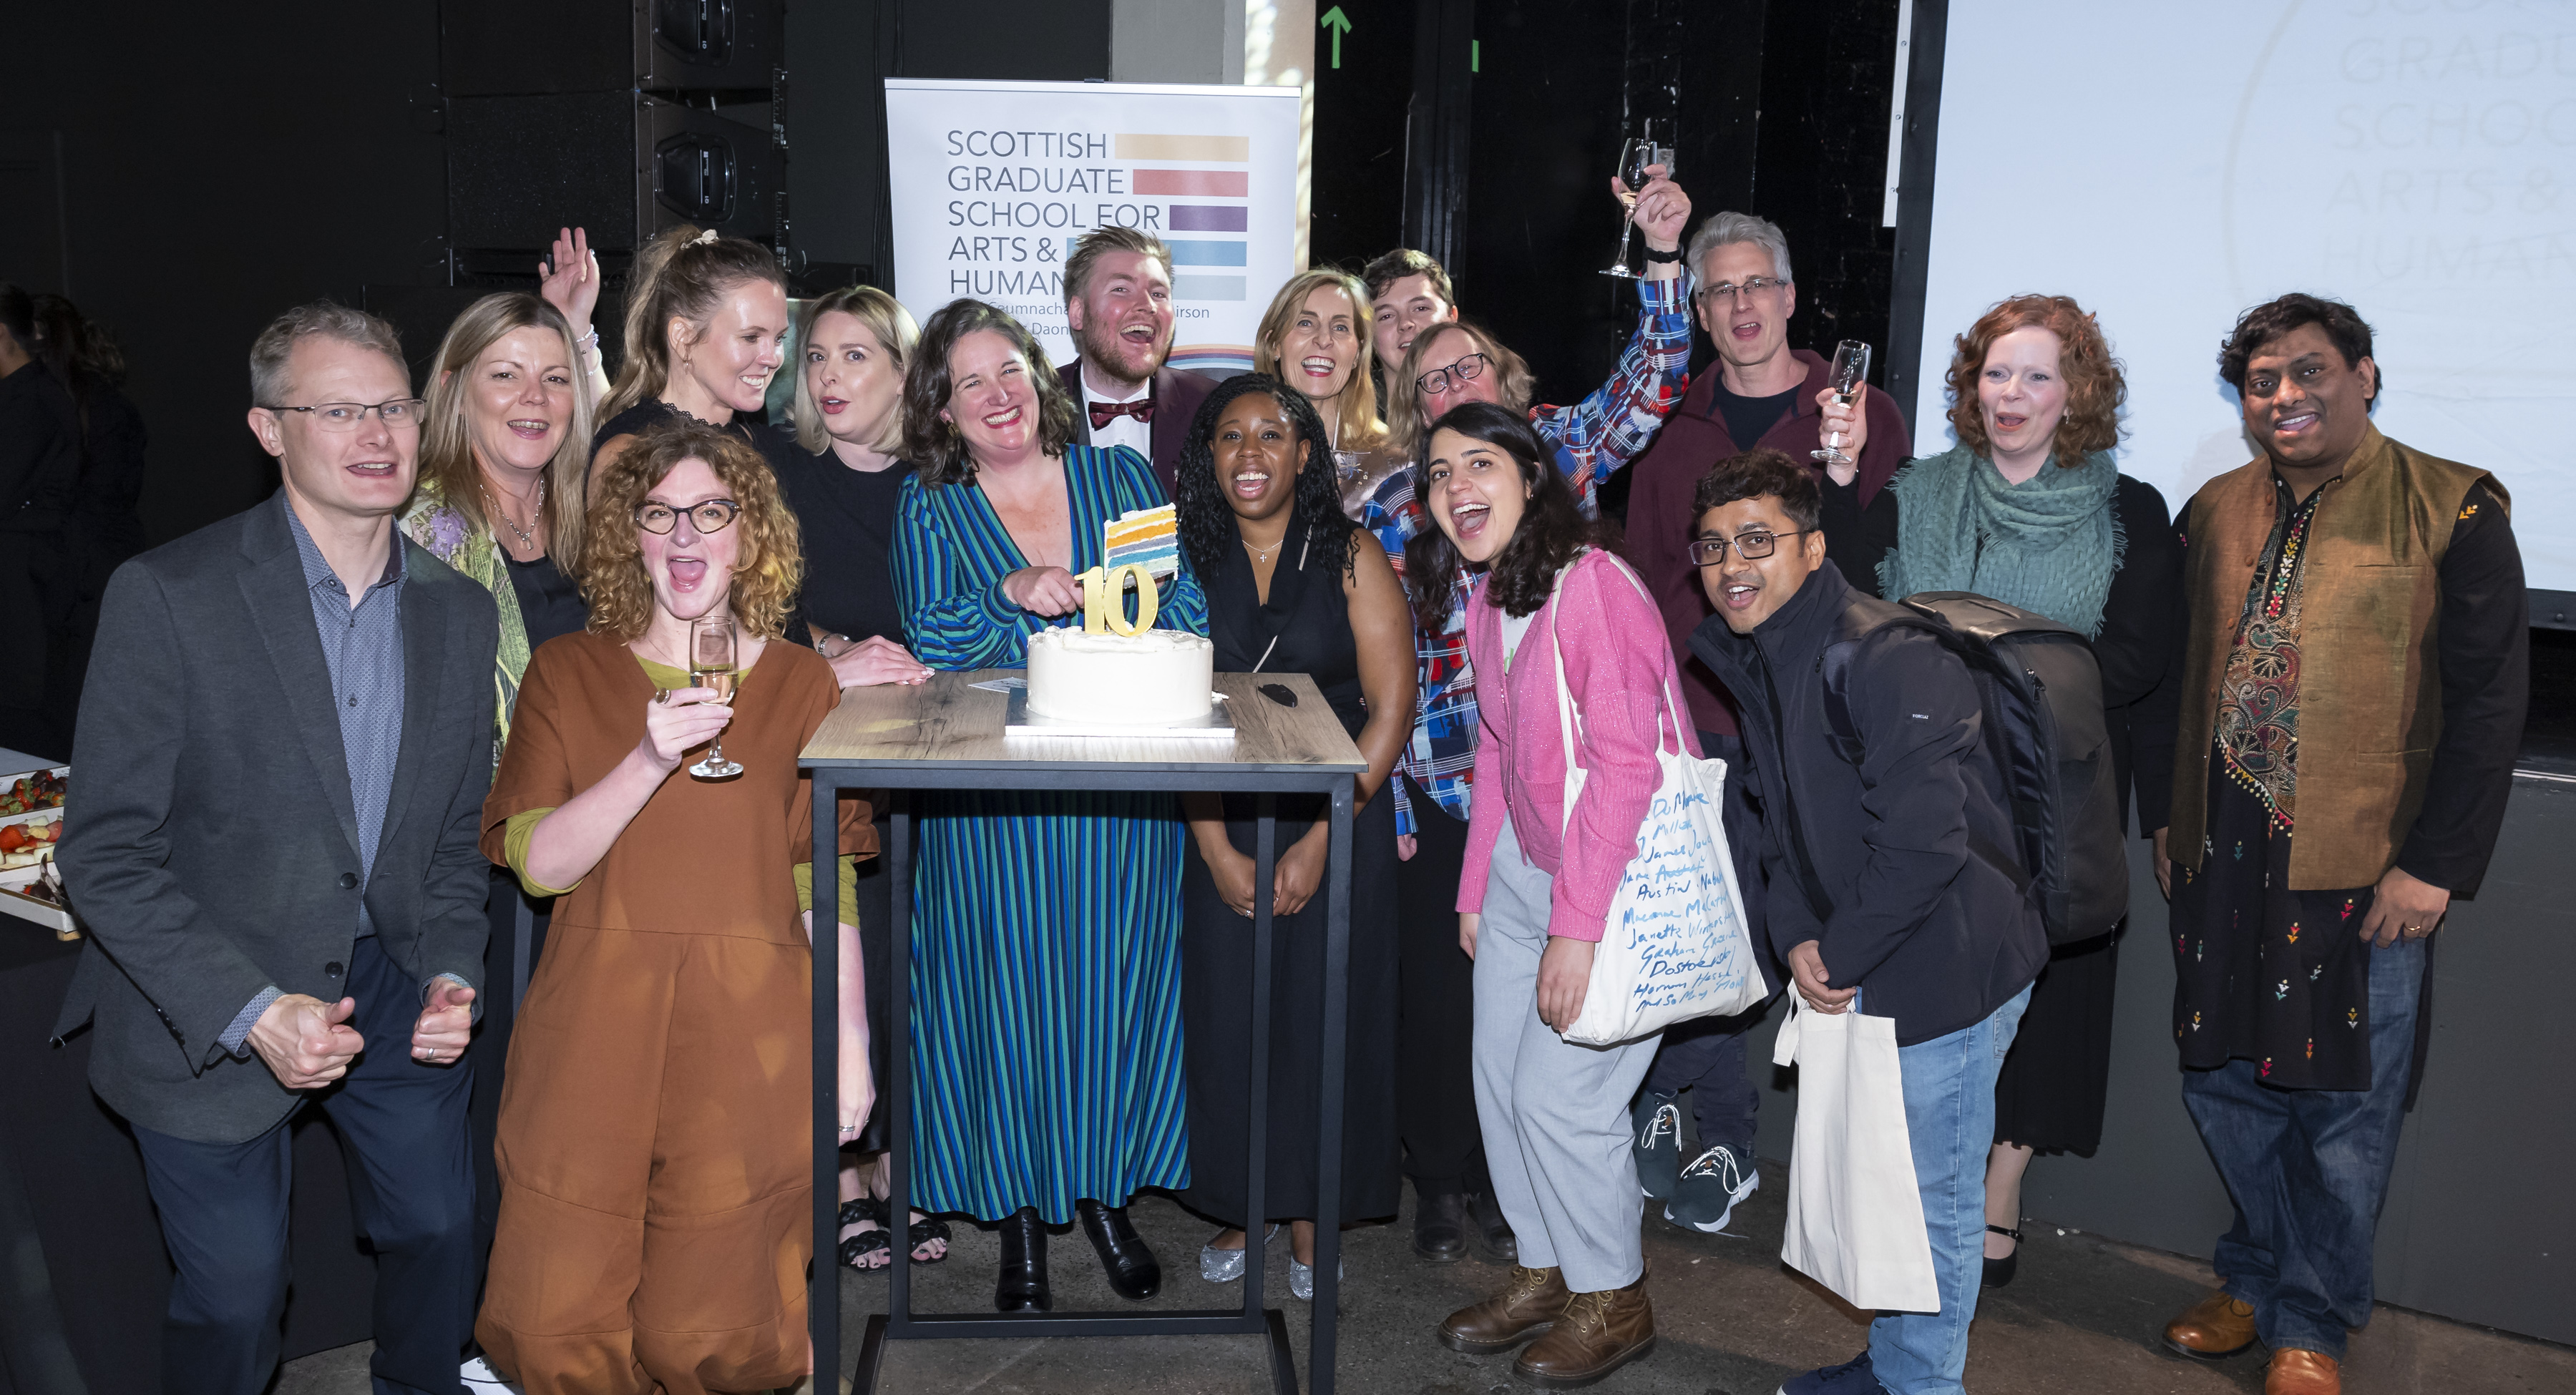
x: 284, y: 746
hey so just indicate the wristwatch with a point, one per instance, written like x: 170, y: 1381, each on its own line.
x: 1672, y: 256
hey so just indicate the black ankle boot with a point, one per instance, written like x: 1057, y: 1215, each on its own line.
x: 1440, y: 1227
x: 1022, y: 1287
x: 1134, y: 1273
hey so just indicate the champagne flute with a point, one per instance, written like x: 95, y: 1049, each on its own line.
x: 712, y: 664
x: 1851, y: 365
x: 1634, y: 156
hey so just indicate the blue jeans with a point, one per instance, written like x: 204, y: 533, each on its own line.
x: 224, y: 1212
x: 1950, y: 1120
x: 2308, y: 1170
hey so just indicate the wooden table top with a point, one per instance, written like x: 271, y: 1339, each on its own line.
x: 950, y: 726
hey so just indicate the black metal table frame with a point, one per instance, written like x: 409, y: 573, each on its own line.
x: 900, y: 1323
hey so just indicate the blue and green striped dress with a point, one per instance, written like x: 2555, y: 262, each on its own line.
x: 1046, y: 973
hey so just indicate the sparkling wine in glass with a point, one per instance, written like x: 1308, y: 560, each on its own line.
x: 1851, y: 367
x: 1634, y: 156
x: 712, y: 664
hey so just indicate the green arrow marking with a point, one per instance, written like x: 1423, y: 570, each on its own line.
x: 1340, y: 24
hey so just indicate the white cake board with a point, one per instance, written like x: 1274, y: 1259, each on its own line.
x: 1217, y: 725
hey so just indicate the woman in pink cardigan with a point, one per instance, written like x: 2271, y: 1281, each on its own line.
x: 1538, y: 884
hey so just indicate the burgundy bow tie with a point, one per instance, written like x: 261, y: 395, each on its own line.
x: 1103, y: 413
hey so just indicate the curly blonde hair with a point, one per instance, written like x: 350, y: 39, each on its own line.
x: 771, y: 564
x: 2094, y: 386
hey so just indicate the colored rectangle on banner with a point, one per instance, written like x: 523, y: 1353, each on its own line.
x: 1210, y: 217
x: 1208, y: 287
x: 1192, y: 184
x: 1233, y: 150
x: 1196, y: 253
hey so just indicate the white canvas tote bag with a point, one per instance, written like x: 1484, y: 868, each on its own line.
x: 1674, y: 946
x: 1855, y: 1215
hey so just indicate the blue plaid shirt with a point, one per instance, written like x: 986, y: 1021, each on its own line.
x: 1591, y: 439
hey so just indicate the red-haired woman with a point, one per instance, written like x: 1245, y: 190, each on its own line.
x: 2031, y: 509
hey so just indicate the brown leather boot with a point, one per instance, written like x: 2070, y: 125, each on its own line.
x: 2298, y: 1371
x: 1528, y: 1305
x: 2216, y: 1326
x: 1599, y: 1333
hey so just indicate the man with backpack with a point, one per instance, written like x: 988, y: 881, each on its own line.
x: 1885, y: 830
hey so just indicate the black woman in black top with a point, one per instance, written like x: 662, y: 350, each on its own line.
x: 1293, y: 587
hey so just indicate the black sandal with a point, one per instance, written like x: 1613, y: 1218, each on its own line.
x: 924, y: 1231
x: 877, y: 1244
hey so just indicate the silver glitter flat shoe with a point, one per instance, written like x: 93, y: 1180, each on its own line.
x: 1225, y: 1266
x: 1301, y: 1277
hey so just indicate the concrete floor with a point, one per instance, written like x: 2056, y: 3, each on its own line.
x: 2081, y: 1319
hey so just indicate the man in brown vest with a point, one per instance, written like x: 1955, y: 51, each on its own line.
x: 2357, y: 667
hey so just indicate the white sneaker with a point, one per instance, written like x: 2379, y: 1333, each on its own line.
x: 480, y: 1378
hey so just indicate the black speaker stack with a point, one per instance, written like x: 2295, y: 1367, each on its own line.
x: 620, y: 117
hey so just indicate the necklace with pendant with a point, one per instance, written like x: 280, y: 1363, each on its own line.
x: 526, y: 538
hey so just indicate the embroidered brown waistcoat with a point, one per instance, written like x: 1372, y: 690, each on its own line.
x: 2370, y: 681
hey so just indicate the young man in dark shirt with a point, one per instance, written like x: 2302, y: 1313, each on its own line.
x: 1879, y: 835
x: 2354, y: 684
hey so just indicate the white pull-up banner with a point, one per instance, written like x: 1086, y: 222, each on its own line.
x: 995, y: 181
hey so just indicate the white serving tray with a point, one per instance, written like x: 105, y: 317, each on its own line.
x: 1217, y: 725
x: 14, y: 899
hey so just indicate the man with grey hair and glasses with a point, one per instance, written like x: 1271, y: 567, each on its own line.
x: 284, y: 746
x: 1763, y: 394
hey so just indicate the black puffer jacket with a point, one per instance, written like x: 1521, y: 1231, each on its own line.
x: 1933, y: 935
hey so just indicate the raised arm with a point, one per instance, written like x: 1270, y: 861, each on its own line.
x: 1611, y: 427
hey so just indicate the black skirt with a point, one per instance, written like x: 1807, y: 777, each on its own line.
x: 2051, y: 1092
x: 1216, y: 997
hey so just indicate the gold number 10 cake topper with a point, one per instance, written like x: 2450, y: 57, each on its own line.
x: 1104, y: 599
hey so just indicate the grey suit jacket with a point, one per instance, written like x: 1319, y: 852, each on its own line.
x: 209, y: 841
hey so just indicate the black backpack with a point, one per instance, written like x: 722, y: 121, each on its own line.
x: 2041, y: 689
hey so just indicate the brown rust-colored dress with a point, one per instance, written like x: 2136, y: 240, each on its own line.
x: 656, y: 1133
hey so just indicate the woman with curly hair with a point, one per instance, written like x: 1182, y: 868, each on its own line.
x: 655, y: 1157
x: 1564, y: 639
x: 2031, y: 509
x: 1293, y: 587
x: 1046, y: 1041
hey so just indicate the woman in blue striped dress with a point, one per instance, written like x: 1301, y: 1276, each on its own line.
x: 1046, y: 1029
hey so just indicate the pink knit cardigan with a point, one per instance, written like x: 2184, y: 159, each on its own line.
x: 1619, y: 665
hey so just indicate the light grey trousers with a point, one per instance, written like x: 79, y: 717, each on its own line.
x: 1555, y: 1115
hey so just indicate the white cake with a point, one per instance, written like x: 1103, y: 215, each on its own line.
x: 1155, y: 678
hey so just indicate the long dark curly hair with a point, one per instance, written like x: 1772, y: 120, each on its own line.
x: 1207, y: 523
x: 1552, y: 529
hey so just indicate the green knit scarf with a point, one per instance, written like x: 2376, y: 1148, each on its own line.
x: 2049, y: 544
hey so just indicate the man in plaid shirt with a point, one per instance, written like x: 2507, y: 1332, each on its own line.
x: 1458, y: 363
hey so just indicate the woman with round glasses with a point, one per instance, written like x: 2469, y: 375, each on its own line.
x: 2031, y: 509
x: 655, y: 1150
